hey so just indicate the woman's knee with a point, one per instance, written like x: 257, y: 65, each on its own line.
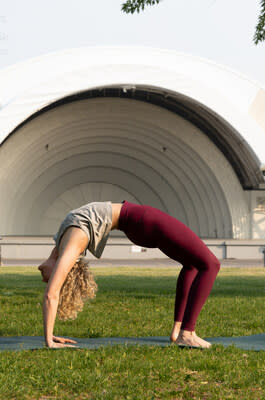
x: 215, y: 264
x: 211, y: 264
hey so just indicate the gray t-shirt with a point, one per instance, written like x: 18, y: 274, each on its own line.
x: 95, y: 219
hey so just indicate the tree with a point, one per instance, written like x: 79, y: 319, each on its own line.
x: 259, y: 35
x: 130, y: 6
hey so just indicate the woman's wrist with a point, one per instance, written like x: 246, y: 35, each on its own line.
x: 49, y: 342
x: 49, y: 312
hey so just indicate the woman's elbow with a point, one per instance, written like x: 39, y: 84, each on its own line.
x: 51, y: 297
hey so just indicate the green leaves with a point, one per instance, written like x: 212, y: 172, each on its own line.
x: 259, y: 35
x: 130, y: 6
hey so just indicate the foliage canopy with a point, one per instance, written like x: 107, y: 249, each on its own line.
x: 132, y: 6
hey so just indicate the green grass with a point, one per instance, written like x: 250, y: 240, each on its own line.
x: 134, y: 302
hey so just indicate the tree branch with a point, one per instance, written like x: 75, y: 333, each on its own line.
x: 259, y: 35
x: 130, y: 6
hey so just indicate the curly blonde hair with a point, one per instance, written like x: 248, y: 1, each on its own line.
x: 78, y: 287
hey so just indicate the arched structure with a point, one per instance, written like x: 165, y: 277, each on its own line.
x: 151, y: 126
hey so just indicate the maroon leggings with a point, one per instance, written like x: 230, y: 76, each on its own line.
x: 148, y: 227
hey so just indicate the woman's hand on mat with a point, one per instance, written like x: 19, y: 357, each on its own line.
x: 57, y: 345
x: 62, y: 340
x: 58, y: 342
x: 54, y: 345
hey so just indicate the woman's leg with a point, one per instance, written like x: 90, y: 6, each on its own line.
x: 199, y: 292
x: 184, y: 282
x: 185, y: 279
x: 181, y: 244
x: 147, y: 226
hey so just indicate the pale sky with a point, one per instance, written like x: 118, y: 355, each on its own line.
x: 218, y: 30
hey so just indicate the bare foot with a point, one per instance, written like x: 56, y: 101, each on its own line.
x: 175, y: 331
x: 187, y: 338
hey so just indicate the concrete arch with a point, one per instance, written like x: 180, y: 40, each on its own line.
x: 156, y: 126
x: 119, y: 150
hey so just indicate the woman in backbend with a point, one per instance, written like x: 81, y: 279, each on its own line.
x: 88, y: 227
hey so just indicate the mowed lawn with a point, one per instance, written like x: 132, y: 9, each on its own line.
x: 134, y: 302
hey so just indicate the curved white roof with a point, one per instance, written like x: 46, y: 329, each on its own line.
x: 29, y: 86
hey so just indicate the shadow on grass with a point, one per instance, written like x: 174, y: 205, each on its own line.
x: 138, y: 287
x: 15, y: 280
x: 151, y: 286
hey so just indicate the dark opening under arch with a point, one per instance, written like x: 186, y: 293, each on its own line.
x: 237, y: 151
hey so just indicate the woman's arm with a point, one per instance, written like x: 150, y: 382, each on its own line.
x: 51, y: 295
x: 73, y: 243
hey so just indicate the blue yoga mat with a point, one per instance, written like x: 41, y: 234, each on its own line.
x: 253, y: 342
